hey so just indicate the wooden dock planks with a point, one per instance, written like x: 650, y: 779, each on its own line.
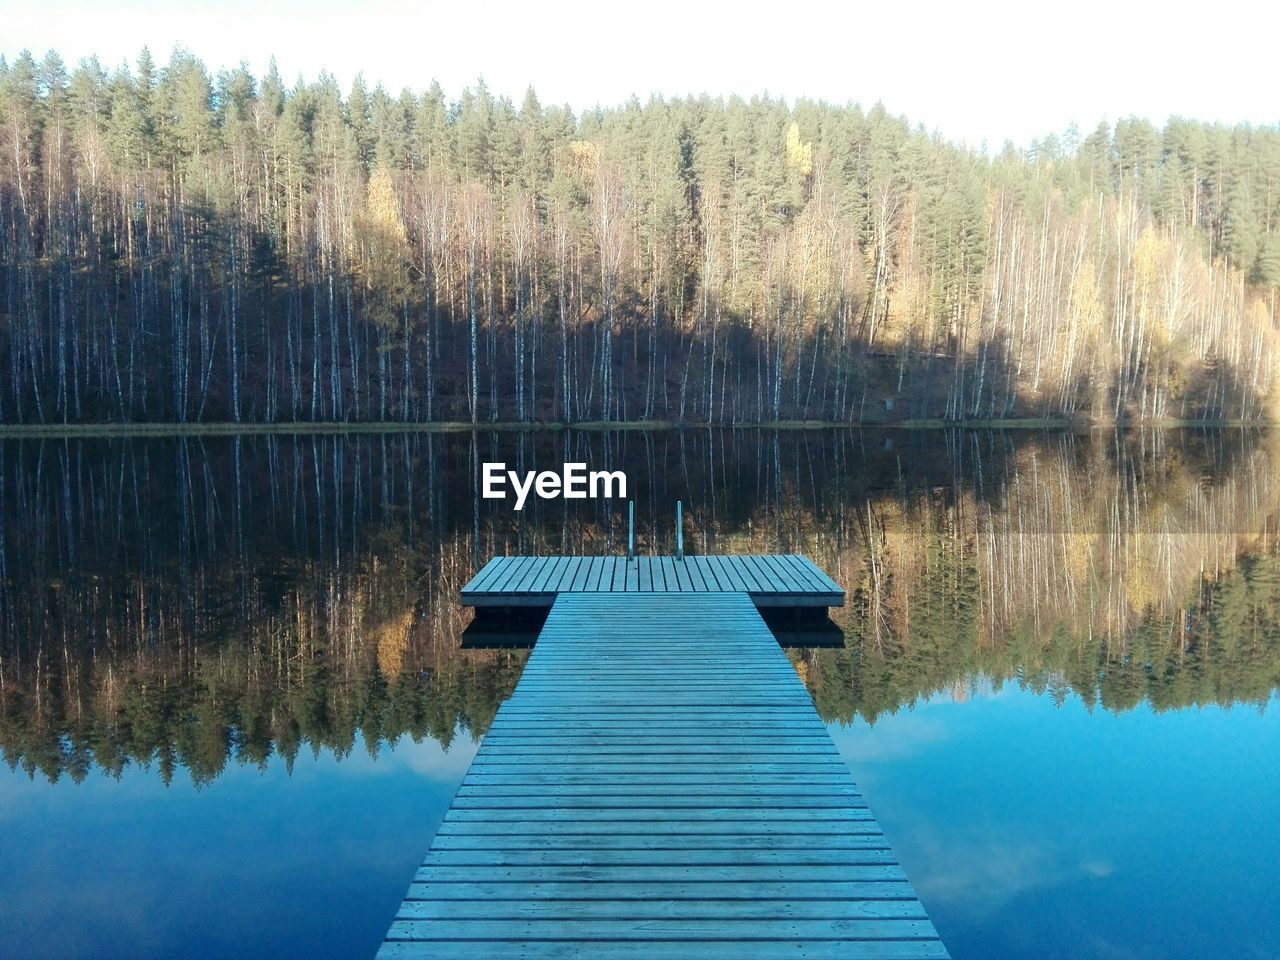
x: 776, y: 580
x: 659, y: 785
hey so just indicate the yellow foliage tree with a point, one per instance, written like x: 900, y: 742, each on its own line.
x: 584, y: 156
x: 799, y: 154
x: 392, y: 638
x: 382, y: 245
x: 384, y: 206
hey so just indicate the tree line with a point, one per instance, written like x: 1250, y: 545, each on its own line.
x: 182, y: 246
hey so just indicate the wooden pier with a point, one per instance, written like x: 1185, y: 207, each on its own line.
x: 659, y: 785
x: 783, y: 580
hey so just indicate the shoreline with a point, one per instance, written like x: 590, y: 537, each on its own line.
x: 303, y: 428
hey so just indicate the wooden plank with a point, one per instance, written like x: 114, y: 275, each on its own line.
x: 567, y: 575
x: 614, y: 671
x: 543, y: 714
x: 509, y: 570
x: 671, y: 827
x: 693, y: 798
x: 648, y: 564
x: 788, y: 578
x: 570, y: 573
x: 499, y: 568
x: 593, y: 856
x: 552, y: 571
x: 689, y: 568
x: 661, y: 950
x: 816, y: 573
x: 682, y: 930
x: 661, y: 582
x: 526, y: 816
x: 682, y: 583
x: 728, y: 574
x: 798, y: 579
x: 549, y: 574
x: 708, y: 716
x: 695, y: 566
x: 730, y: 571
x: 659, y: 785
x: 899, y: 908
x: 721, y: 769
x: 520, y: 569
x: 632, y: 873
x: 724, y: 576
x: 819, y: 582
x: 603, y: 575
x: 763, y: 576
x: 784, y: 579
x: 778, y: 756
x: 625, y: 732
x: 573, y: 737
x: 524, y: 582
x: 711, y: 573
x: 484, y: 792
x: 605, y: 675
x: 581, y: 575
x: 666, y: 565
x: 660, y: 891
x: 605, y: 583
x: 804, y: 573
x: 745, y: 570
x: 647, y: 749
x: 675, y: 781
x: 483, y: 575
x: 685, y: 578
x: 709, y: 695
x: 658, y: 728
x: 528, y: 572
x: 714, y: 574
x: 628, y: 841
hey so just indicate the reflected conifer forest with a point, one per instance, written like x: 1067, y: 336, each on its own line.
x: 184, y: 605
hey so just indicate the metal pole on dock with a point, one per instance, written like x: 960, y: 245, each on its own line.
x: 631, y: 529
x: 679, y: 531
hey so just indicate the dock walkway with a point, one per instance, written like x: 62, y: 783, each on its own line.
x: 786, y: 580
x: 659, y: 785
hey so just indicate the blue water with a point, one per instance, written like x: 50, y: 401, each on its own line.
x: 253, y: 864
x: 1029, y: 829
x: 1036, y: 830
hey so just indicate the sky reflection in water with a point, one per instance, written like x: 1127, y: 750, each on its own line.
x: 1036, y: 830
x: 254, y: 863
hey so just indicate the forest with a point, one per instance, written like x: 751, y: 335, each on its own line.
x: 184, y: 247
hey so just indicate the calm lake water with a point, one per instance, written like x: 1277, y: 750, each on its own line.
x: 234, y: 704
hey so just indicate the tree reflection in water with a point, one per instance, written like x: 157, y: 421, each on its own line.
x: 190, y: 602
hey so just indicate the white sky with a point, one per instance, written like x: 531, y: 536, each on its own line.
x: 972, y: 71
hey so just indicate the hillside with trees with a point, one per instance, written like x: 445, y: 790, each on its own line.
x: 177, y: 246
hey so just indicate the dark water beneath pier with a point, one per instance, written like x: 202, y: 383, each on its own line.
x: 233, y: 703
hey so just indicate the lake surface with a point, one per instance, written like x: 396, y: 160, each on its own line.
x: 234, y: 703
